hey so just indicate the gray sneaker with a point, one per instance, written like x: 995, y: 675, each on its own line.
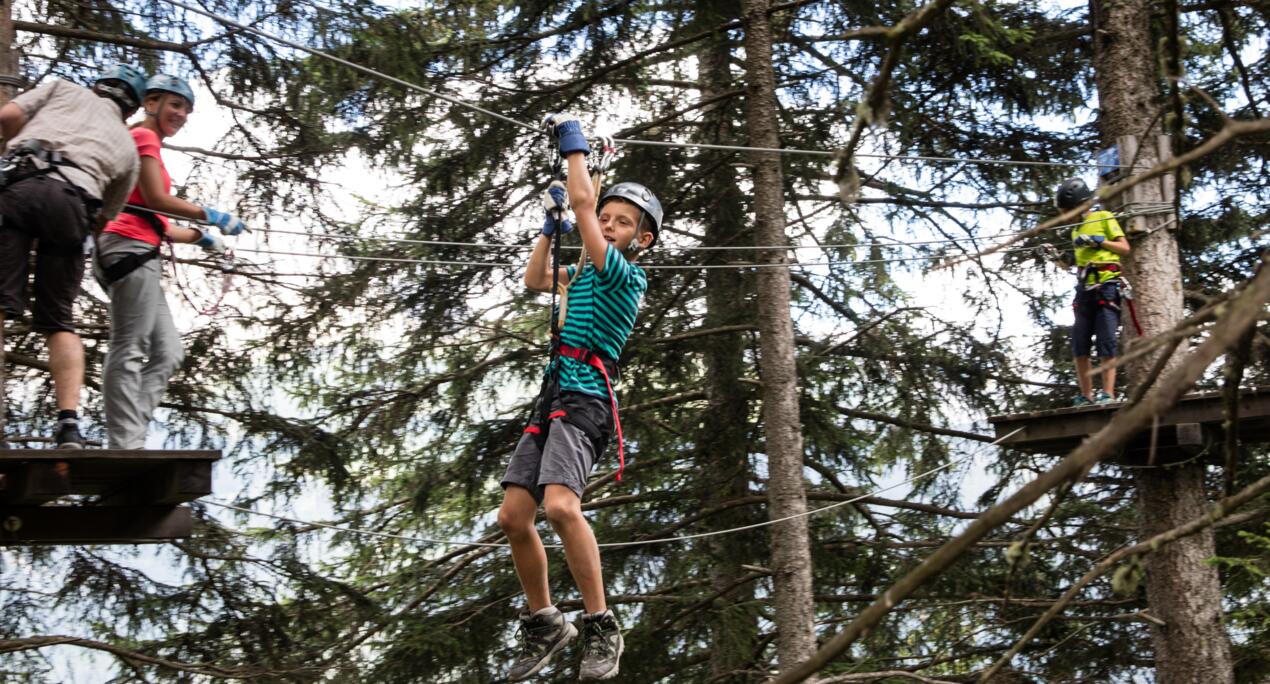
x: 541, y: 635
x: 601, y: 646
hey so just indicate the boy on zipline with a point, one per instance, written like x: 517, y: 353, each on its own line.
x: 575, y: 413
x: 1099, y: 242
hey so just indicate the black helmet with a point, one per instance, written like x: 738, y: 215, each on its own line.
x: 641, y: 197
x: 122, y: 83
x: 1071, y: 193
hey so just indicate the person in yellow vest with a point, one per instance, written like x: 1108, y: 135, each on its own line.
x: 1099, y: 242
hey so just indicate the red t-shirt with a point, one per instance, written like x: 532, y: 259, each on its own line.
x: 135, y: 227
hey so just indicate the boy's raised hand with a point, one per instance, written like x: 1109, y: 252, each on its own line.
x: 567, y: 131
x: 555, y: 199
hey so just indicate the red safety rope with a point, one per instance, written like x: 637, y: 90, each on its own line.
x: 593, y: 360
x: 1133, y: 314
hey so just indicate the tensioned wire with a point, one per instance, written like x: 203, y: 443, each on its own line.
x: 781, y: 264
x: 655, y: 267
x: 1164, y: 208
x: 610, y: 545
x: 458, y: 102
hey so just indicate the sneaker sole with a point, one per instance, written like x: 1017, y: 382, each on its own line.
x: 70, y: 445
x: 570, y: 633
x: 621, y: 646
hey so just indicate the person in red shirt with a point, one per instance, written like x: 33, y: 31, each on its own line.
x: 145, y: 348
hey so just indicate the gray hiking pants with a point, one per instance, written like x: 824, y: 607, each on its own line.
x: 145, y: 348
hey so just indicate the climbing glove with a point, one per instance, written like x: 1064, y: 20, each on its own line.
x: 1088, y: 240
x: 211, y: 242
x: 567, y: 131
x: 227, y: 222
x: 555, y: 200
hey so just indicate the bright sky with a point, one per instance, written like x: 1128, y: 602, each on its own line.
x: 940, y: 291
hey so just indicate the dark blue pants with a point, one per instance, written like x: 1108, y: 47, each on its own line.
x: 1097, y: 316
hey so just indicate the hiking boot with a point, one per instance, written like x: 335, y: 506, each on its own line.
x: 601, y: 646
x: 1081, y: 400
x: 1102, y: 397
x: 68, y: 436
x: 541, y: 635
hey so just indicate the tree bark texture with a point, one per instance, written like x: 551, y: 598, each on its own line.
x: 8, y: 58
x: 9, y: 68
x: 791, y: 554
x: 1182, y: 590
x: 725, y: 440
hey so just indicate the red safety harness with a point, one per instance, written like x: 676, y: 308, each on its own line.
x: 597, y: 361
x: 1125, y: 290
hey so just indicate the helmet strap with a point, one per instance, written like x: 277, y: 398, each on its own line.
x: 633, y: 247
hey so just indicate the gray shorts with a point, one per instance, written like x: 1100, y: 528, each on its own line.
x: 568, y: 452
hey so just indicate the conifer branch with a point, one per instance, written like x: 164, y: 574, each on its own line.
x: 1241, y: 314
x: 1233, y: 130
x: 1219, y: 516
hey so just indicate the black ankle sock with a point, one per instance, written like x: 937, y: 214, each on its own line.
x: 68, y: 415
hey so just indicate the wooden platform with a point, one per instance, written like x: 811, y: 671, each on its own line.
x: 119, y: 497
x: 1184, y: 431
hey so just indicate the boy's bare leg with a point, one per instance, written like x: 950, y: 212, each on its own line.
x: 1083, y: 378
x: 564, y: 511
x: 66, y: 362
x: 516, y: 519
x: 1109, y: 381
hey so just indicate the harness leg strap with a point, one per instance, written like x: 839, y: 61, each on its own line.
x: 595, y: 361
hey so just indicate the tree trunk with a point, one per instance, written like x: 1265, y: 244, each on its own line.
x: 791, y: 554
x: 1182, y: 590
x: 9, y: 69
x: 724, y: 443
x: 8, y: 58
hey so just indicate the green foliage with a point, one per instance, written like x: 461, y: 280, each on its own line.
x: 395, y: 391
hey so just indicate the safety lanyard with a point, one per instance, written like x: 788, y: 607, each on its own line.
x: 600, y: 162
x: 557, y: 322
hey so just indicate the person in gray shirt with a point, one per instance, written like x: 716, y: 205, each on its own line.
x: 68, y: 167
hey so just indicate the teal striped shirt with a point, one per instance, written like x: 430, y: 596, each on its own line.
x: 601, y: 314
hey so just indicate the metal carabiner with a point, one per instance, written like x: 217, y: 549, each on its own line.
x: 606, y: 151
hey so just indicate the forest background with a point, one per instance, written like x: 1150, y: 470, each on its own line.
x: 384, y: 393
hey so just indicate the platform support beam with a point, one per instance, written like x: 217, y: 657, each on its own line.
x: 27, y: 525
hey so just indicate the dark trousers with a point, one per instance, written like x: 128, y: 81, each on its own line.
x: 1097, y: 316
x: 47, y: 213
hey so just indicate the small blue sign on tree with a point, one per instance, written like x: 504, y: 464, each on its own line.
x: 1109, y: 162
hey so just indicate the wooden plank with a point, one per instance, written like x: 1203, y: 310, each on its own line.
x: 120, y: 477
x: 32, y: 525
x: 168, y: 483
x: 37, y: 483
x: 1185, y: 429
x: 108, y: 455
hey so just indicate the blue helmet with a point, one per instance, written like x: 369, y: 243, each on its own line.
x: 641, y: 197
x: 122, y: 83
x: 163, y: 83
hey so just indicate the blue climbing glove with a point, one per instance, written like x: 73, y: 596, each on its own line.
x: 567, y: 131
x: 1088, y: 240
x: 227, y: 222
x: 555, y: 199
x: 211, y: 242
